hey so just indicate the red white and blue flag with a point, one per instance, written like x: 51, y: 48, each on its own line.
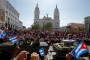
x: 79, y: 50
x: 2, y: 33
x: 13, y: 39
x: 41, y: 51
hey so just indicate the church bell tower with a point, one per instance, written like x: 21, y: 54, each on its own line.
x: 56, y: 18
x: 36, y: 12
x: 56, y: 13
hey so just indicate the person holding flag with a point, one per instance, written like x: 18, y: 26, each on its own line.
x: 79, y: 50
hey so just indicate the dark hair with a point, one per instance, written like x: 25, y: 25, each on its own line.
x: 1, y: 40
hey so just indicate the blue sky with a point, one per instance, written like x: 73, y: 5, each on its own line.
x: 70, y: 10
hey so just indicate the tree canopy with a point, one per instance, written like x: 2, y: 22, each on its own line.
x: 47, y: 25
x: 36, y: 27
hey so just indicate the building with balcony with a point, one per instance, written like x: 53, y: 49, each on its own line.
x: 10, y: 15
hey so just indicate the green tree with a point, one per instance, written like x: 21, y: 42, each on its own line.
x: 81, y: 29
x: 47, y: 26
x: 36, y: 27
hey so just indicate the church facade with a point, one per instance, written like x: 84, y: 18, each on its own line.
x: 55, y: 22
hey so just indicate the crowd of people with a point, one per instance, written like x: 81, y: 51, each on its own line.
x: 46, y: 35
x: 52, y: 36
x: 49, y: 36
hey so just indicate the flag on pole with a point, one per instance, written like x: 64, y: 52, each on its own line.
x: 79, y: 50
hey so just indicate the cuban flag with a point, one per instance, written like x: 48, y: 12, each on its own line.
x: 2, y: 33
x: 13, y: 39
x: 41, y: 51
x: 79, y: 50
